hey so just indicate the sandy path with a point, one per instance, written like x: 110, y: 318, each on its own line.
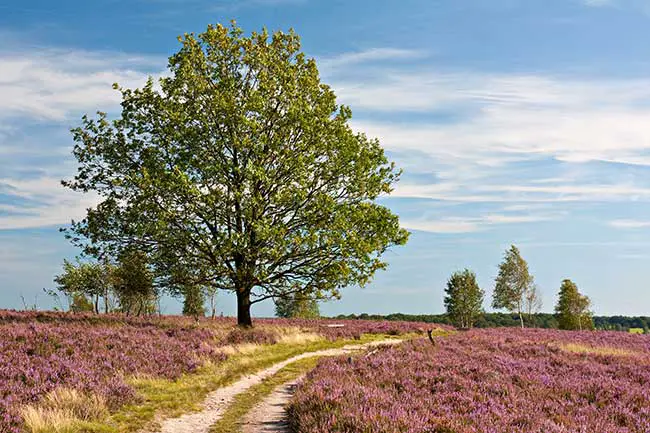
x: 270, y: 416
x: 217, y: 401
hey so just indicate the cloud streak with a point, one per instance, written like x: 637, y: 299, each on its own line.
x: 629, y: 224
x: 42, y: 90
x: 52, y: 84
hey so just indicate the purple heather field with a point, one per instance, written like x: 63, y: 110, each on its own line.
x: 484, y: 381
x: 41, y: 351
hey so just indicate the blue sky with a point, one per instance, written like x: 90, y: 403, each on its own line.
x: 515, y: 121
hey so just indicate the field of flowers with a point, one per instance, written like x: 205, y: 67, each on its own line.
x: 42, y: 351
x: 487, y: 381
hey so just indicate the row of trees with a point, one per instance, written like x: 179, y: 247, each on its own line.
x: 502, y: 319
x: 129, y: 285
x: 516, y: 292
x: 126, y: 284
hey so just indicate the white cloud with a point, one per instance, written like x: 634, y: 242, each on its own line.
x: 475, y: 130
x: 367, y: 56
x: 471, y: 224
x: 522, y: 193
x: 455, y: 225
x: 52, y: 84
x: 629, y: 224
x: 522, y: 116
x: 49, y: 203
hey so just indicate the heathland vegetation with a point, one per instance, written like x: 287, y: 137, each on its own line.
x: 65, y: 372
x: 481, y: 381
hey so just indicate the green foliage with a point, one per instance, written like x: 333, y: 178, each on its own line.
x: 572, y: 308
x: 295, y: 306
x: 193, y: 302
x: 495, y: 320
x: 513, y: 283
x: 240, y: 170
x: 464, y: 299
x: 80, y: 304
x: 133, y: 284
x: 88, y: 280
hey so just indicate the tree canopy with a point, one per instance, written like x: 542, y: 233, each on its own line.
x: 295, y: 306
x: 240, y: 171
x: 572, y: 308
x: 83, y: 281
x: 513, y: 284
x: 464, y: 299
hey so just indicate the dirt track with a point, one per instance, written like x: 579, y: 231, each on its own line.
x: 217, y: 401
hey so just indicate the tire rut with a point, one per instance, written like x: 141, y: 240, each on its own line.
x: 218, y: 401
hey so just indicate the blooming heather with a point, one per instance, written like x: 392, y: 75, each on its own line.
x: 487, y: 381
x: 40, y: 351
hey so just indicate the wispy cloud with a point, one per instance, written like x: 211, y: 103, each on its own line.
x: 42, y: 90
x: 638, y: 5
x: 568, y: 119
x: 472, y: 224
x: 369, y: 56
x: 506, y: 137
x: 629, y: 224
x: 51, y: 84
x: 45, y: 203
x: 451, y: 225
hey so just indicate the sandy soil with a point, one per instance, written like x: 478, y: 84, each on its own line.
x: 269, y: 415
x: 217, y: 401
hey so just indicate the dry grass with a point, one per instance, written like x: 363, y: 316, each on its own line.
x: 598, y: 350
x: 61, y: 410
x: 240, y: 349
x: 290, y: 335
x: 294, y: 335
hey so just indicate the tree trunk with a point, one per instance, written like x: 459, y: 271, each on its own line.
x: 96, y: 304
x: 244, y: 308
x: 521, y: 319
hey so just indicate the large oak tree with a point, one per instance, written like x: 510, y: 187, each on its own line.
x: 238, y: 170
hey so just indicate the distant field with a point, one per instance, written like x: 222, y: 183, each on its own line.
x: 497, y: 380
x: 636, y: 331
x: 93, y: 361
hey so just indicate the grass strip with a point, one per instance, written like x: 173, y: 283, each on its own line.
x: 233, y: 418
x: 165, y: 398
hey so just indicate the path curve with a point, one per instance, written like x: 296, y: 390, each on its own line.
x: 217, y: 401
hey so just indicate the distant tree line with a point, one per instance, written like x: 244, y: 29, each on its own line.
x: 498, y: 320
